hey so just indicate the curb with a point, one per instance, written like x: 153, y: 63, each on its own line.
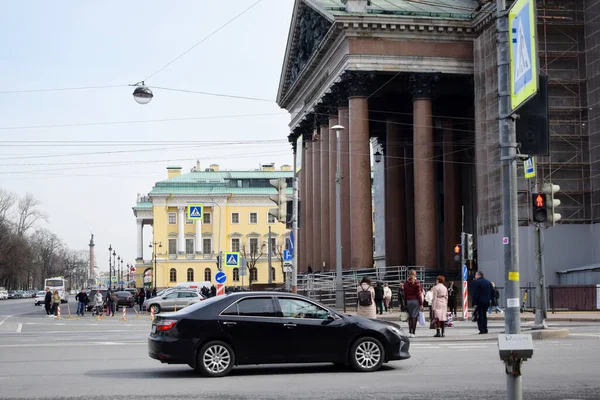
x: 540, y: 334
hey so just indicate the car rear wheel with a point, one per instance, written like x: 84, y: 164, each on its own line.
x: 367, y: 354
x: 155, y: 308
x: 215, y: 359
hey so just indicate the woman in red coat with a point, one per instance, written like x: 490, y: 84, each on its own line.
x: 413, y: 301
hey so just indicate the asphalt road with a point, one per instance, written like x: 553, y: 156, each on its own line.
x: 89, y: 359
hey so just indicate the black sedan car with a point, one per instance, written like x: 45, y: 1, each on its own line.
x: 270, y: 328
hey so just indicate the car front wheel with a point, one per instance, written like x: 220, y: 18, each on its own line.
x: 155, y: 308
x: 367, y: 354
x: 215, y: 359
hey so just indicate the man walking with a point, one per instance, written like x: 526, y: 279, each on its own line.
x: 48, y: 302
x: 482, y: 292
x: 82, y: 300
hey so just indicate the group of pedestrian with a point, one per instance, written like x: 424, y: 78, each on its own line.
x: 51, y: 303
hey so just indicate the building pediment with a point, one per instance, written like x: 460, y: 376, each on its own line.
x: 235, y: 235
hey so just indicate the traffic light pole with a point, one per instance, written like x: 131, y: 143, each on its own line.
x: 540, y: 291
x: 508, y: 157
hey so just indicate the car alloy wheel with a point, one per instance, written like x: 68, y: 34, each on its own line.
x: 155, y: 308
x: 367, y: 354
x: 215, y: 359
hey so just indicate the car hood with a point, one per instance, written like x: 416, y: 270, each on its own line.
x: 370, y: 323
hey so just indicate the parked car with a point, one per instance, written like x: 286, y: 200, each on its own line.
x: 12, y: 294
x: 91, y: 296
x: 244, y: 328
x: 175, y: 299
x: 3, y: 295
x: 39, y: 298
x: 125, y: 299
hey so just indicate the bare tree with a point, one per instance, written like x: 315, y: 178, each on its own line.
x: 28, y: 214
x: 47, y: 249
x: 7, y: 201
x: 252, y: 254
x: 279, y: 256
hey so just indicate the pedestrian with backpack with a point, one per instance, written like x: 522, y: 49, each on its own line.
x: 366, y: 299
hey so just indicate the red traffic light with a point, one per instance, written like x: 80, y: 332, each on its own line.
x: 540, y: 213
x: 539, y: 200
x: 457, y: 249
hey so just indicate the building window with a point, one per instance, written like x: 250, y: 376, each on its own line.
x: 189, y: 221
x: 253, y: 274
x: 236, y: 274
x: 235, y: 245
x: 172, y: 218
x: 253, y: 218
x: 207, y: 246
x: 173, y: 275
x: 273, y: 274
x: 172, y: 246
x: 253, y: 245
x: 235, y: 218
x: 189, y: 246
x: 206, y: 218
x: 207, y: 274
x: 273, y: 246
x: 271, y: 218
x: 190, y: 275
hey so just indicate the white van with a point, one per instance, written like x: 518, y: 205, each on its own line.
x: 194, y: 285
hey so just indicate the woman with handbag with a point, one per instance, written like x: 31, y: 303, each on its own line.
x: 439, y: 306
x: 413, y: 301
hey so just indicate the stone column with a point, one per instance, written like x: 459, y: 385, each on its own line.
x: 361, y: 209
x: 343, y: 118
x: 332, y: 167
x: 308, y: 203
x: 425, y: 204
x: 140, y: 238
x: 325, y: 193
x: 395, y: 195
x: 299, y: 250
x: 316, y: 205
x: 198, y: 244
x: 181, y: 230
x: 452, y: 209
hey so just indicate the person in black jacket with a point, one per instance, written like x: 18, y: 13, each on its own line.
x: 482, y: 293
x: 379, y: 298
x: 82, y: 300
x: 48, y: 302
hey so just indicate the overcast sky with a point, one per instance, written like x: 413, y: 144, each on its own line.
x: 87, y: 175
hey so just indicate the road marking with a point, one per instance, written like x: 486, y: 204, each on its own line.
x: 19, y: 328
x: 7, y: 317
x: 585, y: 334
x: 75, y: 344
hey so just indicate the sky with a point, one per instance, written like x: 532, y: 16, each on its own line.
x: 85, y: 154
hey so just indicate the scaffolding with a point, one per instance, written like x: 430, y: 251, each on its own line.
x: 562, y: 57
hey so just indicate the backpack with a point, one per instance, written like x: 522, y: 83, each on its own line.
x: 364, y: 297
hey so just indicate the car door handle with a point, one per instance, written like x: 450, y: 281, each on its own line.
x: 289, y: 325
x: 229, y: 323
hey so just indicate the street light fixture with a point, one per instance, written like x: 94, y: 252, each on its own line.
x: 377, y: 157
x: 121, y: 275
x: 159, y: 244
x: 109, y: 266
x: 114, y: 266
x: 339, y: 293
x: 142, y: 93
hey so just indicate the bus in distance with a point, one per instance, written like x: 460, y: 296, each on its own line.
x: 60, y: 284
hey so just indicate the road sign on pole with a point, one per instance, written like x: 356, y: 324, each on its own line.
x: 195, y: 211
x: 529, y: 168
x: 232, y: 259
x: 220, y: 277
x: 287, y: 255
x: 523, y: 52
x: 287, y: 267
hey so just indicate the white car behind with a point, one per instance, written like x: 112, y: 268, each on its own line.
x: 3, y: 295
x: 39, y: 298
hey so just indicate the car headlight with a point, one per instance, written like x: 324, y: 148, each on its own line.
x: 395, y: 331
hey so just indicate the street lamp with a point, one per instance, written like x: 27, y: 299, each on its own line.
x: 114, y: 266
x: 109, y: 266
x: 118, y: 271
x: 142, y: 93
x: 159, y: 244
x: 339, y: 301
x: 377, y: 157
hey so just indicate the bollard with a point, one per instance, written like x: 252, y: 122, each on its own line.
x: 151, y: 313
x: 137, y: 314
x: 124, y: 318
x: 58, y: 313
x: 69, y: 311
x: 175, y: 308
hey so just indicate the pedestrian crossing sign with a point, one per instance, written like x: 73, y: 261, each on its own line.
x: 195, y: 211
x: 232, y: 259
x: 529, y: 168
x: 523, y: 52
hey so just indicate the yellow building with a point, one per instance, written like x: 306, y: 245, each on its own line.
x: 235, y: 219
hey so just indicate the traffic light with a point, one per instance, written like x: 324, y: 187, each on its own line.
x: 219, y: 259
x: 469, y: 246
x: 551, y: 203
x: 457, y: 250
x: 539, y: 207
x: 280, y: 199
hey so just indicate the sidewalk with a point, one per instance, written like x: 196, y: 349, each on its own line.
x: 467, y: 330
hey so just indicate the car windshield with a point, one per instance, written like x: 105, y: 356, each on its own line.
x: 41, y: 293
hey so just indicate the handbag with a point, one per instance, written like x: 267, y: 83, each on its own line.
x: 421, y: 318
x: 403, y: 316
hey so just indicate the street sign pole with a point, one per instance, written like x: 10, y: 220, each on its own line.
x: 270, y: 261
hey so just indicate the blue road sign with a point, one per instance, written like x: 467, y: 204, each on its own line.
x: 220, y: 277
x: 465, y: 273
x: 523, y: 52
x: 291, y: 240
x: 529, y: 166
x: 232, y: 259
x: 195, y: 211
x: 287, y: 255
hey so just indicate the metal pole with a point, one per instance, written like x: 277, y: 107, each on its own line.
x: 339, y: 300
x: 295, y: 230
x: 540, y: 292
x: 508, y: 156
x: 270, y: 250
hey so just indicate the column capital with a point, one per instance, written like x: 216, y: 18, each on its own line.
x: 180, y: 208
x: 422, y: 85
x: 359, y: 83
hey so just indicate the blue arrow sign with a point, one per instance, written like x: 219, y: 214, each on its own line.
x: 287, y: 255
x: 465, y: 273
x: 220, y: 277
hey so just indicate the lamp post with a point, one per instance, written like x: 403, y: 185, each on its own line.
x: 114, y: 266
x: 109, y: 266
x: 377, y: 157
x: 118, y: 271
x: 121, y: 274
x: 339, y: 301
x: 153, y: 247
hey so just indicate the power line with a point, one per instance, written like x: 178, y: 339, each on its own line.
x: 202, y: 41
x: 61, y: 89
x: 212, y: 94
